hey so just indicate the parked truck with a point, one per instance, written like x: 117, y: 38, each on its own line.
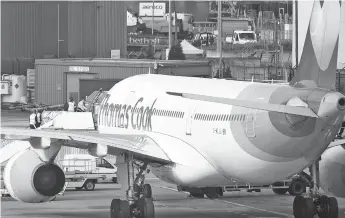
x: 240, y: 37
x: 85, y: 171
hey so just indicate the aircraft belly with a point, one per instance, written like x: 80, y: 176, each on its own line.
x: 189, y: 176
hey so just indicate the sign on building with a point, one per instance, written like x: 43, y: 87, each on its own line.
x: 115, y: 54
x: 145, y: 9
x: 145, y: 41
x: 78, y: 69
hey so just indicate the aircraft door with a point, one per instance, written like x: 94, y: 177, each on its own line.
x: 250, y: 123
x: 189, y: 121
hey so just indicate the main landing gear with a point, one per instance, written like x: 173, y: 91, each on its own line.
x: 323, y: 206
x: 139, y: 203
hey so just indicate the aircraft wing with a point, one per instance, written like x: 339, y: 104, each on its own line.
x: 142, y: 146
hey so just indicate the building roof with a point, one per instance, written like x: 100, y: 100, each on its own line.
x: 120, y: 62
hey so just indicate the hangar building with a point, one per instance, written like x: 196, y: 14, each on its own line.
x: 60, y: 29
x: 58, y: 79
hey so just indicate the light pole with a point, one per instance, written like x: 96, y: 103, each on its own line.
x: 219, y: 41
x: 170, y: 25
x: 153, y: 14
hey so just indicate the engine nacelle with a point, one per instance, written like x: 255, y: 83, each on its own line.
x: 332, y: 171
x: 30, y: 180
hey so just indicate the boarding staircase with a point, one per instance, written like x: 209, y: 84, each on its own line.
x: 93, y: 103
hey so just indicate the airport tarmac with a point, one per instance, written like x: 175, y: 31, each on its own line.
x: 168, y: 202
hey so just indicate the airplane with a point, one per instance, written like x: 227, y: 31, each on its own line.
x: 202, y: 133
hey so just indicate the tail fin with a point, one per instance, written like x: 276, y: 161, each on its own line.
x: 318, y: 62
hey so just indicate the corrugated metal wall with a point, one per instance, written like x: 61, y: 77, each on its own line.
x: 118, y: 72
x: 49, y: 84
x: 111, y: 28
x: 82, y: 29
x: 19, y: 31
x: 29, y: 30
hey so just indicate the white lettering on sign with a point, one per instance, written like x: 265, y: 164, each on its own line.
x: 147, y: 41
x: 78, y: 69
x: 145, y: 9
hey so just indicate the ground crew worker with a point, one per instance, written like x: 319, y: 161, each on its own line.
x: 81, y: 106
x: 38, y: 118
x: 32, y: 119
x: 341, y: 129
x: 71, y: 105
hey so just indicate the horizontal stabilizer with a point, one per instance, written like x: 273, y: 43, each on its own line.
x: 337, y: 143
x: 302, y: 111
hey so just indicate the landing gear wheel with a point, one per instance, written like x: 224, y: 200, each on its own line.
x: 328, y: 207
x: 197, y: 195
x: 89, y: 185
x: 211, y: 193
x: 119, y: 209
x: 147, y: 191
x: 296, y: 188
x: 220, y: 191
x: 303, y: 207
x: 280, y: 191
x: 137, y: 190
x: 333, y: 207
x: 147, y: 209
x: 138, y: 205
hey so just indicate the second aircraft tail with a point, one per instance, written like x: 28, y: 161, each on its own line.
x: 318, y: 63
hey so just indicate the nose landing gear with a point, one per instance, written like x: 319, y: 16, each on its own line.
x: 139, y: 203
x: 315, y: 203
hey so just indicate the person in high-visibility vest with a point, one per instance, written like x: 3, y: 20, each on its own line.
x: 81, y: 106
x: 71, y: 105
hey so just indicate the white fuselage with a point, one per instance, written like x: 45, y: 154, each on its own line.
x: 220, y: 137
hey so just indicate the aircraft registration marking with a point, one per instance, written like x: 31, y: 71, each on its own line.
x: 219, y: 131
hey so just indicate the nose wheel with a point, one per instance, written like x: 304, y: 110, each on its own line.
x: 308, y: 206
x: 139, y: 203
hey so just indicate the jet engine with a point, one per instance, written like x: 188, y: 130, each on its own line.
x: 30, y: 180
x: 332, y: 171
